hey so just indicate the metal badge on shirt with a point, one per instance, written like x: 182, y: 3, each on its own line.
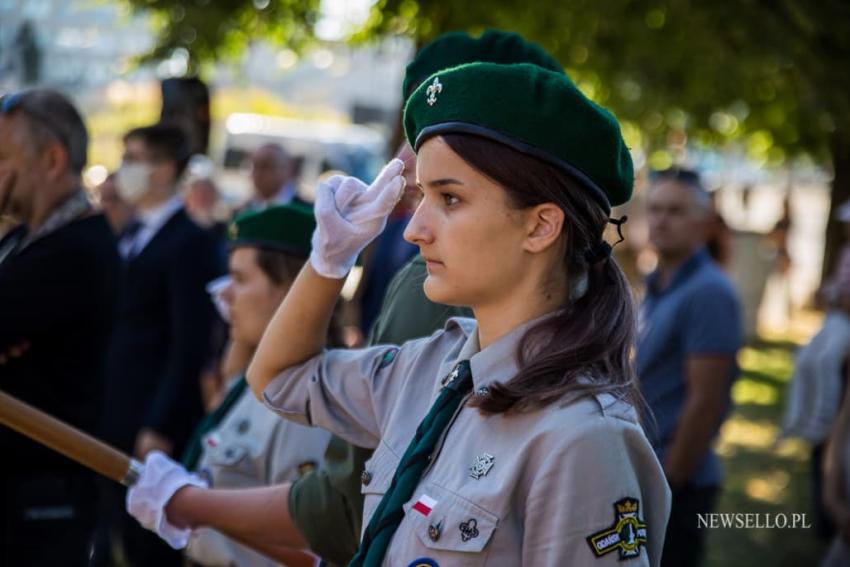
x: 481, y: 465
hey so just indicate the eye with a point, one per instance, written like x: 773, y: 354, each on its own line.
x: 449, y: 199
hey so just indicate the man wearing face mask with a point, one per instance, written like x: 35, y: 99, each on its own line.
x: 163, y: 331
x: 59, y: 276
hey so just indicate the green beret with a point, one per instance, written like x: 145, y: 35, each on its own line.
x: 456, y: 48
x: 285, y: 228
x: 532, y: 110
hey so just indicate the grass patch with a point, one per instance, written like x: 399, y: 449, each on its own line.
x: 762, y: 476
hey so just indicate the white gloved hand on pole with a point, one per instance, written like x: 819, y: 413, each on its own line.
x: 159, y: 480
x: 349, y: 215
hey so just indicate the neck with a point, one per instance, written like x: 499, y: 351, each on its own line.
x: 274, y: 194
x: 153, y: 200
x: 51, y: 199
x: 497, y: 319
x: 668, y: 263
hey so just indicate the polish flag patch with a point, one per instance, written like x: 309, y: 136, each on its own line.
x: 425, y: 504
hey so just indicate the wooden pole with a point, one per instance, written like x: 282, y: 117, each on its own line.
x: 105, y: 460
x: 68, y: 440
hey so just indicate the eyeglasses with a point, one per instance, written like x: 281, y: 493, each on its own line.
x: 11, y: 102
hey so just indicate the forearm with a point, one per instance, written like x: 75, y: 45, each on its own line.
x: 694, y: 433
x: 255, y: 516
x: 298, y: 329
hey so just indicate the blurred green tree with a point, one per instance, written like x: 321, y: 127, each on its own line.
x: 770, y: 76
x: 218, y: 30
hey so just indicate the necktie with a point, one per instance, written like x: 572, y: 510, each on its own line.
x: 389, y: 514
x: 129, y: 237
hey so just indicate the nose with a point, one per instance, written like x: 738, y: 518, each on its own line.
x: 418, y: 231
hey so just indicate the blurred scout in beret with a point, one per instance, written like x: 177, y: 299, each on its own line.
x: 241, y: 444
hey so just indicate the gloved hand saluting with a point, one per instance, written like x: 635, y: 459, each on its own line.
x: 160, y: 479
x: 349, y: 215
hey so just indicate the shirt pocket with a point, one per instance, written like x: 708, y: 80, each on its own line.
x: 226, y: 455
x: 376, y: 478
x: 446, y: 522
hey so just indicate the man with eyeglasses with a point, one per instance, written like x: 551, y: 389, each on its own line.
x: 59, y: 284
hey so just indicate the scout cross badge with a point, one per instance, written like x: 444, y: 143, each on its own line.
x: 627, y: 535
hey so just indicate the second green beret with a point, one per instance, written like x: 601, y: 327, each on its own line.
x: 456, y: 48
x: 532, y: 110
x: 284, y: 228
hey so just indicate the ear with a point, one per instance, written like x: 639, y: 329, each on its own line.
x: 54, y: 160
x: 544, y: 225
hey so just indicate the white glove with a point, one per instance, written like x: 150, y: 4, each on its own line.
x: 146, y: 500
x: 349, y: 215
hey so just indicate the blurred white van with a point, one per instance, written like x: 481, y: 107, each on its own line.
x: 316, y: 146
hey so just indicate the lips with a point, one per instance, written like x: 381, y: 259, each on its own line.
x: 431, y: 262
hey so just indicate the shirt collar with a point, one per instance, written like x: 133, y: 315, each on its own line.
x: 681, y: 274
x: 69, y: 210
x: 157, y: 216
x: 286, y: 194
x: 497, y: 362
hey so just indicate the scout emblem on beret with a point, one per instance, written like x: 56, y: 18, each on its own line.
x: 627, y: 535
x: 469, y: 529
x: 433, y: 90
x: 233, y: 231
x: 481, y: 465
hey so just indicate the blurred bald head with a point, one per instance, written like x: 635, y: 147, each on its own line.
x: 271, y: 169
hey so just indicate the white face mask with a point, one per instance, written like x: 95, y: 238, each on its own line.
x: 132, y: 181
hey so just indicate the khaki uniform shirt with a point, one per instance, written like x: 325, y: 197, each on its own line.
x: 251, y: 447
x: 574, y: 484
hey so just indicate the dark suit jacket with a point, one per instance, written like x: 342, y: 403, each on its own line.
x: 60, y: 295
x: 162, y: 336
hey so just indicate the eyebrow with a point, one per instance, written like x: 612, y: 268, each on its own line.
x: 441, y: 182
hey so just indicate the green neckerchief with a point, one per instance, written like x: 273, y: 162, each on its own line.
x: 195, y: 447
x: 390, y: 511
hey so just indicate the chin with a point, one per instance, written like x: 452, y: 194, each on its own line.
x: 438, y: 293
